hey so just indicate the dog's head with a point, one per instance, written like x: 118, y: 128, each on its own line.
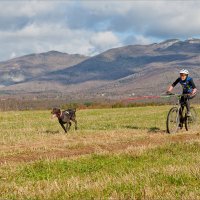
x: 56, y: 112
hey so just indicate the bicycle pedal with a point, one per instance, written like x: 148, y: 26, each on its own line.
x: 180, y: 126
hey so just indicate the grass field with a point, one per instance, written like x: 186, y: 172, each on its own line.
x: 120, y: 153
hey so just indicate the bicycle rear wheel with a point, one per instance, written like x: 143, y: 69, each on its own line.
x: 173, y: 120
x: 191, y: 122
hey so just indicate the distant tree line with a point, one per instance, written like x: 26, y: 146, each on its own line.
x: 8, y: 104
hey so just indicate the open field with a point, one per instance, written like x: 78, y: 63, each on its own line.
x: 120, y: 153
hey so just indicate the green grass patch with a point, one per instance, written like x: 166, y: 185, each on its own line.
x: 120, y: 176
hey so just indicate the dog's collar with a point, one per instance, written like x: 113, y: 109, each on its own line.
x: 61, y: 115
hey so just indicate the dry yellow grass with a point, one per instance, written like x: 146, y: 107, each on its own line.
x: 115, y: 154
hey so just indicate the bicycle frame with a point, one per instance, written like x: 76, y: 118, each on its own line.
x: 180, y: 107
x: 180, y: 118
x: 179, y: 98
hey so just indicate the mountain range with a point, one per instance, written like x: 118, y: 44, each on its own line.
x: 116, y: 73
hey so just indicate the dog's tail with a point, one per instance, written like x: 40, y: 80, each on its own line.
x: 70, y: 110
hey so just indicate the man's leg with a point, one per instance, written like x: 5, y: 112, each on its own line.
x: 187, y: 103
x: 182, y: 102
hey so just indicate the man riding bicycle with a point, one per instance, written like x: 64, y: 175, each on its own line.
x: 189, y: 89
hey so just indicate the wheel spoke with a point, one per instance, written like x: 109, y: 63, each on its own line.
x: 191, y: 122
x: 173, y: 120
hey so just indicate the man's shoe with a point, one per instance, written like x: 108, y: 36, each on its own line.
x: 189, y: 114
x: 180, y: 126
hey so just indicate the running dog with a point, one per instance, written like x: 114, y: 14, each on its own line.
x: 65, y: 117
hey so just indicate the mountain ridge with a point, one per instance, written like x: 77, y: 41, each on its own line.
x: 139, y: 69
x: 26, y: 67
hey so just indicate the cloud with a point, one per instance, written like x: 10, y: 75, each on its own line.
x: 137, y: 39
x: 150, y: 18
x: 104, y: 40
x: 26, y: 7
x: 39, y: 27
x: 91, y: 27
x: 37, y: 39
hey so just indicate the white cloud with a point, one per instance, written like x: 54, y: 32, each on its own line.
x: 109, y: 7
x: 139, y: 39
x: 90, y: 27
x: 36, y: 39
x: 26, y: 8
x: 104, y: 40
x: 155, y: 18
x: 13, y: 55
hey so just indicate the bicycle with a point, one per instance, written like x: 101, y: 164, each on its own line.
x: 177, y: 117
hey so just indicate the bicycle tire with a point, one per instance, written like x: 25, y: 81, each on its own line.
x: 172, y: 122
x: 191, y: 122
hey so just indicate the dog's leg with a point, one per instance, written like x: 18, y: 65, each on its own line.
x: 76, y: 127
x: 69, y: 125
x: 62, y: 125
x: 75, y: 121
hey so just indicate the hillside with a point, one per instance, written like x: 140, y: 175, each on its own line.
x: 24, y: 68
x: 138, y: 69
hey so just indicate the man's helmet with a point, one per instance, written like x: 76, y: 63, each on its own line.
x: 184, y: 71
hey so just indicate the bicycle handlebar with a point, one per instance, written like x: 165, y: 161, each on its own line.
x: 177, y: 95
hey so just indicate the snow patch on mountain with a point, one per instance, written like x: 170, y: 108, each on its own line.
x: 17, y: 78
x: 2, y: 86
x: 168, y: 43
x: 193, y: 41
x: 13, y: 77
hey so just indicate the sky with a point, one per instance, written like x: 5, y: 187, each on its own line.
x: 91, y: 27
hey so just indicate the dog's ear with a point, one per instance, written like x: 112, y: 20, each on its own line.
x: 55, y: 110
x: 52, y: 111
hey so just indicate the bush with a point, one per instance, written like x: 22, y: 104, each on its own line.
x: 88, y: 104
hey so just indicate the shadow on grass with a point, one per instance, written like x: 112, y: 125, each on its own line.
x: 153, y: 129
x: 133, y: 127
x: 51, y: 132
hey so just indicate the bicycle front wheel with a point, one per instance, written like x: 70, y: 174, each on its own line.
x: 191, y: 122
x: 173, y: 120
